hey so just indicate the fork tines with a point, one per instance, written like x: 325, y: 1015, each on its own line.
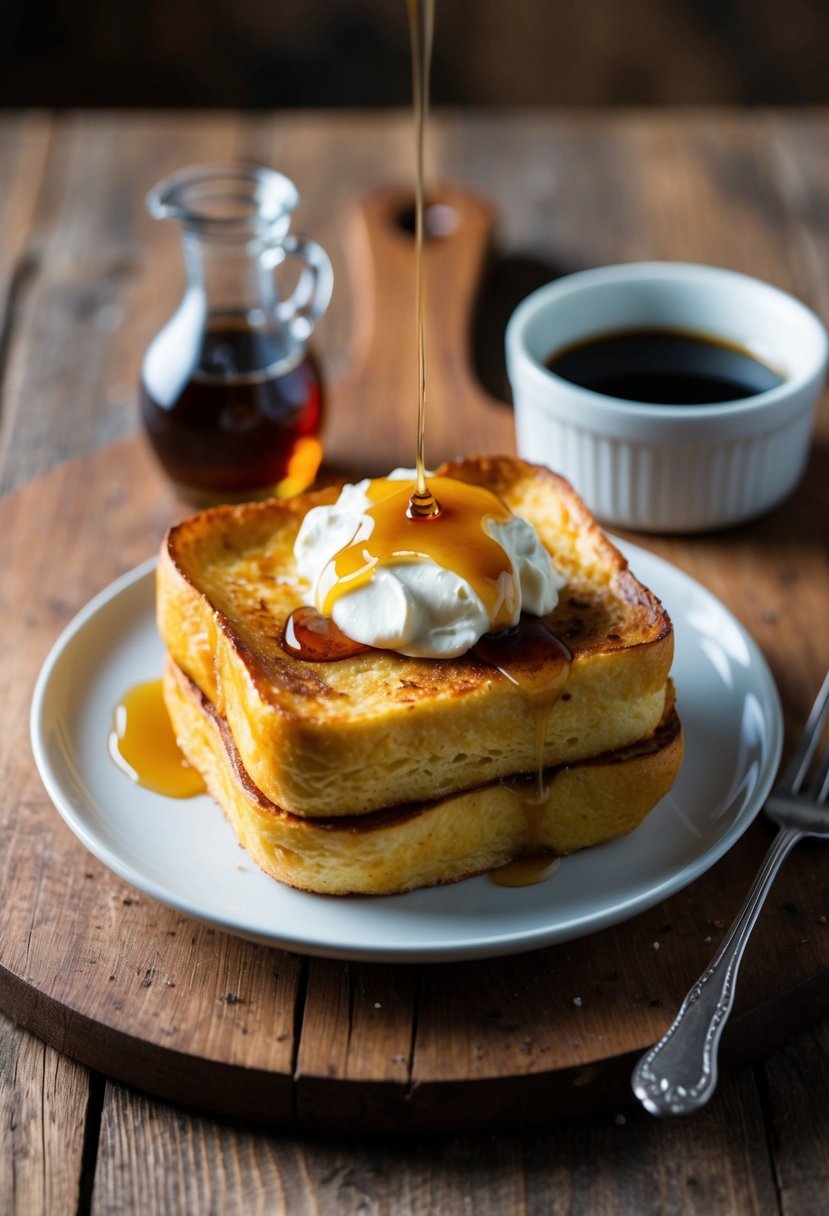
x: 796, y: 772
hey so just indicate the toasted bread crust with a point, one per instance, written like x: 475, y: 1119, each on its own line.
x: 418, y: 845
x: 328, y: 739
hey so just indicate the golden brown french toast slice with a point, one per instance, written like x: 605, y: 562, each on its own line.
x: 351, y: 736
x: 422, y: 844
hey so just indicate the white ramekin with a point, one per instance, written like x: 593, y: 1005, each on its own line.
x: 668, y: 468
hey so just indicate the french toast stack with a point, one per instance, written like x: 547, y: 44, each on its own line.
x: 378, y: 773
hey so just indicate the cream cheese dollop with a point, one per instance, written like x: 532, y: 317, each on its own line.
x: 419, y: 608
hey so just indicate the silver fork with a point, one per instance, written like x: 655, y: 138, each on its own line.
x: 679, y: 1074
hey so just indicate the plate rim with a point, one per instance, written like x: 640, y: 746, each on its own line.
x: 427, y: 950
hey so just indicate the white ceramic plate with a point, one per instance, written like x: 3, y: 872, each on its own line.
x: 184, y: 854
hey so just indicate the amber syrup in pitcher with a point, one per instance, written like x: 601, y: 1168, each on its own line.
x: 245, y: 421
x: 230, y: 397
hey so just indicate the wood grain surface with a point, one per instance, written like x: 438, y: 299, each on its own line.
x: 85, y: 282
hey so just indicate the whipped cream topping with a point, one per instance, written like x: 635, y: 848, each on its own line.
x: 418, y: 607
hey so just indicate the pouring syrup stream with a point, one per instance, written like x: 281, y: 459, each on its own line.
x: 422, y: 502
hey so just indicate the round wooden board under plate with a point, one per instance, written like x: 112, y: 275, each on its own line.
x: 153, y: 998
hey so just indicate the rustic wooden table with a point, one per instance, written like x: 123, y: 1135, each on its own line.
x: 85, y: 281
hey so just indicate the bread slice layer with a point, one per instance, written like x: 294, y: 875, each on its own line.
x: 348, y: 737
x: 422, y: 844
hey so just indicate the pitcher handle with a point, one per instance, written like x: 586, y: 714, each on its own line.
x: 310, y: 297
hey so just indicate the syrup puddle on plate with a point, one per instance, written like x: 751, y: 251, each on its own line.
x: 526, y: 871
x: 143, y: 744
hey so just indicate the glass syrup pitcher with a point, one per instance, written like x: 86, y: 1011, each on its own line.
x: 231, y: 398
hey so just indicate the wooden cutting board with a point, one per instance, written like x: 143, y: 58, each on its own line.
x: 148, y: 996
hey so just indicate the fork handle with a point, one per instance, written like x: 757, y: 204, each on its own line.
x: 679, y: 1074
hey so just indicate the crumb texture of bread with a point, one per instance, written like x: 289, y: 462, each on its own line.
x: 329, y: 739
x: 420, y: 845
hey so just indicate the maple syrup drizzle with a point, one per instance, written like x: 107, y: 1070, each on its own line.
x: 143, y: 745
x: 456, y: 539
x: 422, y: 501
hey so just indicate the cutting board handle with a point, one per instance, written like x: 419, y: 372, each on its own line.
x: 380, y: 246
